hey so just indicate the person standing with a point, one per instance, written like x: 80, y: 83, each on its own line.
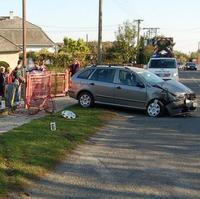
x: 8, y: 75
x: 2, y: 81
x: 43, y: 68
x: 74, y: 67
x: 18, y: 79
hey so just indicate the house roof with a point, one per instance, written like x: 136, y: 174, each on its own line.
x: 12, y: 30
x: 7, y: 46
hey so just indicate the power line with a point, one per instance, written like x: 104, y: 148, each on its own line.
x: 84, y: 27
x: 122, y: 7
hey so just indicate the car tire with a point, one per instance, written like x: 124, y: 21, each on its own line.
x: 155, y: 108
x: 85, y: 100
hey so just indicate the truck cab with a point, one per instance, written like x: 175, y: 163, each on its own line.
x: 164, y: 67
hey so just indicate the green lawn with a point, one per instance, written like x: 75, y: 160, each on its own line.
x: 31, y: 150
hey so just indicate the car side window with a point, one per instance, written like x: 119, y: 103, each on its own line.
x: 85, y: 74
x: 127, y: 78
x: 104, y: 75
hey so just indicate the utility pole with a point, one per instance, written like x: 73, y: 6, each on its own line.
x: 156, y: 31
x: 138, y: 32
x: 24, y: 31
x: 87, y: 38
x: 99, y: 56
x: 199, y: 46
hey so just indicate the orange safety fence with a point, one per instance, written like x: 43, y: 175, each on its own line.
x: 38, y: 86
x: 41, y: 85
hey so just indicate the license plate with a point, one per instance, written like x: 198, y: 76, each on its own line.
x: 166, y: 75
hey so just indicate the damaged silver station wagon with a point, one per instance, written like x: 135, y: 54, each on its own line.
x: 131, y: 87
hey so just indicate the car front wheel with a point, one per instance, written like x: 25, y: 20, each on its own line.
x: 155, y: 108
x: 86, y: 100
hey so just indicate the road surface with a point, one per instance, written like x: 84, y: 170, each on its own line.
x: 133, y: 157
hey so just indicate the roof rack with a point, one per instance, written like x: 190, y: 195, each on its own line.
x: 110, y: 65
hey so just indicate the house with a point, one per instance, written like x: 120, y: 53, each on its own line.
x: 11, y: 30
x: 9, y: 52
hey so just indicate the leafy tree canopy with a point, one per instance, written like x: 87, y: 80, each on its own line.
x: 124, y: 46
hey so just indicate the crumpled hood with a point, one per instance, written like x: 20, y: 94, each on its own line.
x: 175, y: 87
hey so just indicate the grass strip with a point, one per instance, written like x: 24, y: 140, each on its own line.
x: 28, y: 152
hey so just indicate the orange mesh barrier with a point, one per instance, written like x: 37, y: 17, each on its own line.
x: 38, y: 88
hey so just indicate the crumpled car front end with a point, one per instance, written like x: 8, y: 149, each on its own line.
x: 181, y: 104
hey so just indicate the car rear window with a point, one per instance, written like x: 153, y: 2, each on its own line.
x: 104, y: 75
x: 85, y: 74
x: 162, y: 63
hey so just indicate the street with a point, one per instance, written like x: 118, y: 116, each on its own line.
x: 133, y: 157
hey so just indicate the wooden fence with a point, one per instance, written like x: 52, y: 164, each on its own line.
x: 59, y: 83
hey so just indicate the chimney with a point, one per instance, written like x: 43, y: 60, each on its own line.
x: 11, y: 14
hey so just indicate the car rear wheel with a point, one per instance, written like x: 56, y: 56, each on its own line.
x: 155, y: 108
x: 86, y: 100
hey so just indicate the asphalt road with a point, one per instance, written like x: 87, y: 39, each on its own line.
x: 133, y: 157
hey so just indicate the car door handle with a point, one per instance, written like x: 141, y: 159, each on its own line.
x: 118, y: 87
x: 92, y: 84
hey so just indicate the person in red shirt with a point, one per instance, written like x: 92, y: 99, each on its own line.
x: 74, y: 67
x: 9, y: 77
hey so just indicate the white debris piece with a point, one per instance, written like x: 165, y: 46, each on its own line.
x: 68, y: 114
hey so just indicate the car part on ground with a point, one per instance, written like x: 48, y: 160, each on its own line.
x: 68, y: 114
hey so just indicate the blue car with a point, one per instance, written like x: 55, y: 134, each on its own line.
x: 190, y: 66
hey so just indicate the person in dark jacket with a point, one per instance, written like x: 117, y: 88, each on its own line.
x: 18, y: 79
x: 2, y: 81
x: 74, y: 67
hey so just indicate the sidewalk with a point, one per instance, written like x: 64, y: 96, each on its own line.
x: 9, y: 122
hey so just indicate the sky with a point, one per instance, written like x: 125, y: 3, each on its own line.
x: 77, y: 18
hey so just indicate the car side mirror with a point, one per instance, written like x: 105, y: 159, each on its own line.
x: 145, y: 66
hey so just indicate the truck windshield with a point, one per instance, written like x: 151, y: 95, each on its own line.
x: 162, y: 63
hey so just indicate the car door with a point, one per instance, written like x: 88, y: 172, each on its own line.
x: 101, y: 84
x: 130, y: 90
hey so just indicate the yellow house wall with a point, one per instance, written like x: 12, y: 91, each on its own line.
x: 10, y: 58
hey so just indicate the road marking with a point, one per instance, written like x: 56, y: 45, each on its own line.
x: 195, y: 81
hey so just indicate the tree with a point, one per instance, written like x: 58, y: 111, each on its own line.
x: 75, y: 48
x: 124, y: 47
x: 181, y: 57
x: 106, y: 46
x: 141, y: 52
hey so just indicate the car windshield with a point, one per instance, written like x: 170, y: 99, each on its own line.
x: 162, y: 63
x: 150, y: 77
